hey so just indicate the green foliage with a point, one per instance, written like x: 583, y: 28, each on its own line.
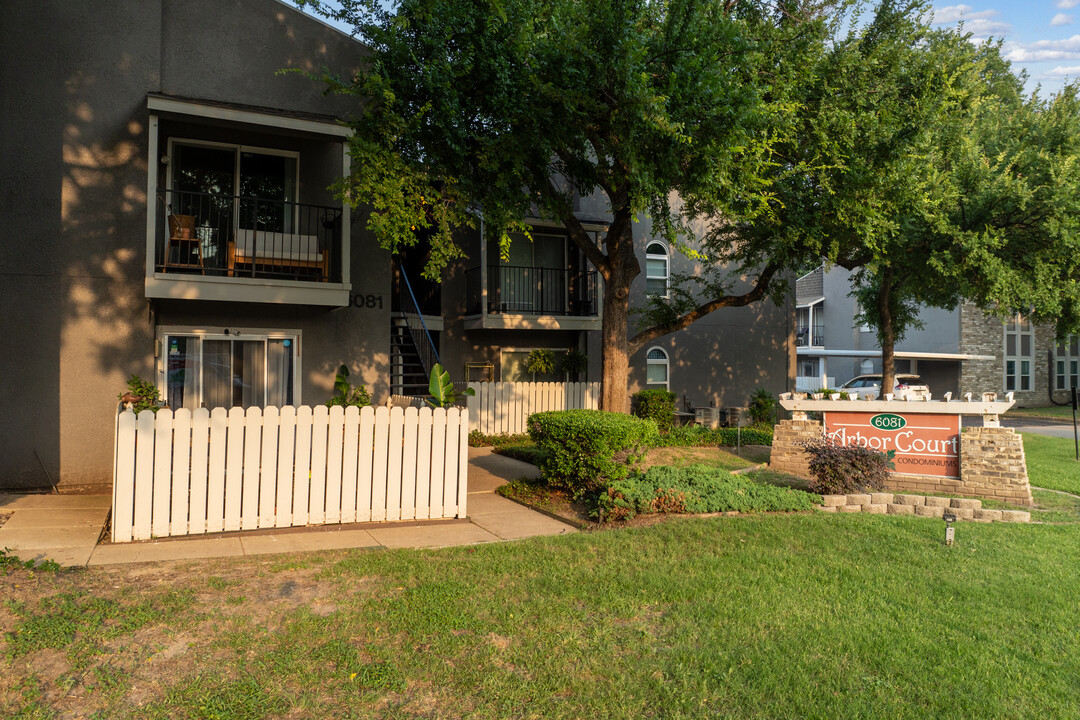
x: 345, y: 394
x: 574, y: 363
x: 583, y: 449
x: 142, y: 394
x: 442, y: 391
x: 840, y: 469
x: 762, y: 407
x: 696, y: 489
x: 655, y: 404
x: 698, y: 436
x: 540, y: 361
x: 9, y: 562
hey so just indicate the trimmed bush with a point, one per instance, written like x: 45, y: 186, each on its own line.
x: 655, y: 404
x: 696, y: 489
x: 697, y: 436
x: 841, y: 469
x: 582, y: 450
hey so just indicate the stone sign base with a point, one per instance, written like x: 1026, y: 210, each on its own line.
x: 992, y: 463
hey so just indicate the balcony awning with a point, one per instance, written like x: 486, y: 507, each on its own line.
x: 313, y: 123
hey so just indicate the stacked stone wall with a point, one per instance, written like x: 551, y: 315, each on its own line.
x: 787, y: 454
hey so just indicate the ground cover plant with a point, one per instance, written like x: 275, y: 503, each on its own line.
x: 696, y: 489
x: 768, y: 616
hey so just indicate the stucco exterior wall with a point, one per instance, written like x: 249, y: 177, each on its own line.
x: 73, y: 173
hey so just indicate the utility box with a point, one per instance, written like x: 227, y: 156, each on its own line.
x: 707, y: 417
x: 737, y: 416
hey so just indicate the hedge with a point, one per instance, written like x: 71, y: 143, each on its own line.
x: 697, y: 436
x: 582, y: 450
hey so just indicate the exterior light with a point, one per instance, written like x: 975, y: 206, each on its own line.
x: 949, y: 519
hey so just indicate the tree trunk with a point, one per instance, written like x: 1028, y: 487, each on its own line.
x: 623, y: 267
x: 887, y: 335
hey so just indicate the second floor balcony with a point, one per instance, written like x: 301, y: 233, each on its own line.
x: 516, y: 296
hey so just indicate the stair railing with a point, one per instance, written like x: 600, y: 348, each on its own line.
x: 414, y: 320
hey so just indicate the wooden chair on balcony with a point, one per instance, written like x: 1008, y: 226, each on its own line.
x: 188, y: 244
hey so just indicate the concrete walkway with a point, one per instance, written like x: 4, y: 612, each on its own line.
x: 66, y: 528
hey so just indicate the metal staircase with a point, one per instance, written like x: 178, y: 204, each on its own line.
x: 412, y: 350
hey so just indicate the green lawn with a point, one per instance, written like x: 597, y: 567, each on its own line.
x: 1050, y: 411
x: 780, y: 616
x: 1052, y: 462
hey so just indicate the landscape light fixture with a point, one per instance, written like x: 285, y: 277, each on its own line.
x: 949, y: 519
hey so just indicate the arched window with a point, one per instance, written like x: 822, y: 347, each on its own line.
x: 656, y: 269
x: 656, y: 368
x: 866, y: 367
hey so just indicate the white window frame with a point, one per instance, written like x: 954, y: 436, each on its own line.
x: 666, y: 277
x: 1023, y: 328
x: 666, y: 363
x: 239, y: 333
x: 1066, y: 363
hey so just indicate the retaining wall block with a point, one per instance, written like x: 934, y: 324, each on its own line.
x: 987, y: 515
x: 938, y: 502
x: 929, y: 510
x: 881, y: 498
x: 851, y: 508
x: 900, y: 509
x: 966, y: 503
x: 1015, y: 516
x: 910, y: 500
x: 876, y: 509
x: 826, y: 508
x: 860, y: 499
x: 834, y: 500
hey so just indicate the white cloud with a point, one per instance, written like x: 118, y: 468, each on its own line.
x: 981, y: 23
x: 1061, y: 19
x: 1066, y: 4
x: 1073, y: 70
x: 1044, y: 50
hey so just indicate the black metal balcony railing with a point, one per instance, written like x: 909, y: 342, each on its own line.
x: 210, y: 234
x: 534, y: 291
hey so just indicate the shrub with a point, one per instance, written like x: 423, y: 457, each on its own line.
x: 346, y: 394
x: 696, y: 489
x: 142, y: 394
x: 697, y: 436
x: 580, y: 450
x: 655, y: 404
x: 840, y: 469
x: 761, y: 408
x: 540, y: 361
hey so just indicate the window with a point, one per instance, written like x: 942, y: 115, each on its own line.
x: 233, y: 368
x: 866, y: 367
x: 656, y: 269
x: 802, y: 327
x: 1067, y: 362
x: 1019, y: 351
x: 656, y: 368
x: 513, y: 367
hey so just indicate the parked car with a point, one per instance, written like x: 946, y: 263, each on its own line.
x: 907, y: 386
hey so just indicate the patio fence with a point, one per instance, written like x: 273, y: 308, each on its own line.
x: 503, y: 407
x: 194, y: 472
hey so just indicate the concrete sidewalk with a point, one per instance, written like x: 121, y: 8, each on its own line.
x: 66, y: 528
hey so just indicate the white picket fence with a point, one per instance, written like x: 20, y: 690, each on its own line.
x: 195, y: 472
x: 503, y: 407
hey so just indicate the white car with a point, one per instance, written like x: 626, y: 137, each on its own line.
x: 869, y: 386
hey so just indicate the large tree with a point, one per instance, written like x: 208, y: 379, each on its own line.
x: 508, y: 108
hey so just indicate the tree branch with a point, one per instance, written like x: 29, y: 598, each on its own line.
x: 761, y: 287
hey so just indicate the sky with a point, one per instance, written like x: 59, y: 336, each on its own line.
x: 1040, y: 36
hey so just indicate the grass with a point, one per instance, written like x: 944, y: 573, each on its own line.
x: 1052, y: 463
x: 800, y: 615
x: 1063, y: 412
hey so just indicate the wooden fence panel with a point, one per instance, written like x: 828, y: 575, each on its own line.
x: 188, y: 473
x: 504, y: 408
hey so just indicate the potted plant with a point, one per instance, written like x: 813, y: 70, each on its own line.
x: 141, y: 395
